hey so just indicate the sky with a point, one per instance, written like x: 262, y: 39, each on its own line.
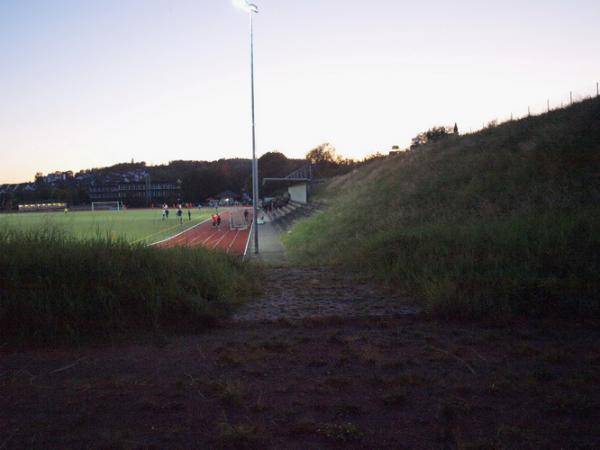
x: 92, y: 83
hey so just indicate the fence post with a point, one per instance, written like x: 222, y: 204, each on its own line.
x: 597, y: 90
x: 571, y: 97
x: 548, y: 104
x: 528, y: 111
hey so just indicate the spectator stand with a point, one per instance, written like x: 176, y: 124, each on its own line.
x: 284, y: 209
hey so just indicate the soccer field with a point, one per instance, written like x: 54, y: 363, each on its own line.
x: 144, y: 225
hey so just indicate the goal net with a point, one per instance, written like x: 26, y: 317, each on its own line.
x: 107, y: 206
x: 237, y: 220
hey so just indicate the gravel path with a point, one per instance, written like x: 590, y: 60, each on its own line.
x: 294, y: 293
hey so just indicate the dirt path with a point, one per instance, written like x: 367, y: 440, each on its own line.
x: 294, y: 293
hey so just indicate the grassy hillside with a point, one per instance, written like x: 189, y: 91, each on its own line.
x: 504, y: 222
x: 57, y: 287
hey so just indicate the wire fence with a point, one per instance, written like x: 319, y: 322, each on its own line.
x: 551, y: 104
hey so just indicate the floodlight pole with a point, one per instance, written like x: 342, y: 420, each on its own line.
x: 251, y: 11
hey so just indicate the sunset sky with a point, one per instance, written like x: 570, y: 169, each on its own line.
x: 92, y: 83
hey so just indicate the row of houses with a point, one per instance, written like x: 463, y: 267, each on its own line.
x: 16, y: 188
x: 133, y: 187
x: 54, y: 177
x: 135, y: 192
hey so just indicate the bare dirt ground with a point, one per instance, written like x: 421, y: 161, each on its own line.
x: 294, y: 293
x: 322, y: 376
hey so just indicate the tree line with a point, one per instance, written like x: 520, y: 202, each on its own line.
x: 199, y: 180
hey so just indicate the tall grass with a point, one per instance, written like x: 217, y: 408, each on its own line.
x: 58, y: 288
x: 504, y: 222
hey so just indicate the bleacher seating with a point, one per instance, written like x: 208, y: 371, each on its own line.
x: 284, y: 216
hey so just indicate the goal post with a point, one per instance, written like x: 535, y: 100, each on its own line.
x: 107, y: 206
x: 237, y: 220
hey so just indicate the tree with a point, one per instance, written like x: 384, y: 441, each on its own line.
x: 327, y: 163
x: 215, y: 177
x: 432, y: 135
x: 201, y: 183
x: 373, y: 157
x: 323, y: 154
x: 6, y: 200
x: 273, y: 164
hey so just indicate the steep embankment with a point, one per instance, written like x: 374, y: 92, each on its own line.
x: 504, y: 221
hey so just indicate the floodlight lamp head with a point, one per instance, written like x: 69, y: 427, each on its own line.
x: 246, y: 6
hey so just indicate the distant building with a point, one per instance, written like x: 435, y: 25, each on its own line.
x: 395, y: 150
x: 53, y: 177
x: 14, y: 188
x: 135, y: 193
x: 298, y: 184
x: 42, y: 206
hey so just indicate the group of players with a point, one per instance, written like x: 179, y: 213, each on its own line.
x: 216, y: 220
x: 178, y: 213
x: 216, y: 217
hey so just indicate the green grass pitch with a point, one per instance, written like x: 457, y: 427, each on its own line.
x: 143, y: 226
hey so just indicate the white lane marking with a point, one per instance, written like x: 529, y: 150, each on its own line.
x: 233, y: 241
x: 178, y: 234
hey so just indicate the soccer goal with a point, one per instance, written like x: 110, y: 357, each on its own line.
x: 107, y: 206
x: 237, y: 220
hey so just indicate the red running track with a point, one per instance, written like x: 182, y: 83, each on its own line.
x: 232, y: 241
